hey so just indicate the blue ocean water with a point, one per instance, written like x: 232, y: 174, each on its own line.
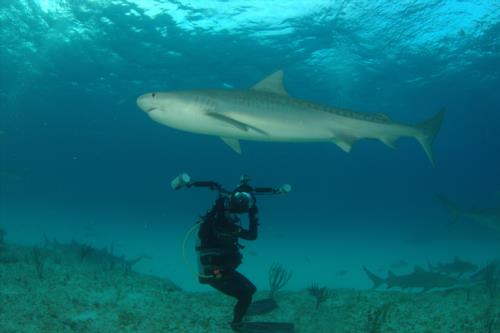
x: 79, y: 160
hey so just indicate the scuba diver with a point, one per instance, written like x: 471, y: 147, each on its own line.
x: 218, y: 247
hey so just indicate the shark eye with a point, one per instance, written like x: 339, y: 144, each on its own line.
x: 153, y: 95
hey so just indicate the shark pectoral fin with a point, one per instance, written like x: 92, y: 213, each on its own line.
x: 389, y: 141
x: 235, y: 123
x: 344, y: 142
x: 233, y: 143
x: 228, y: 120
x: 273, y: 84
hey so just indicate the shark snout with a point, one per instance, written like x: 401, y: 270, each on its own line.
x: 144, y: 102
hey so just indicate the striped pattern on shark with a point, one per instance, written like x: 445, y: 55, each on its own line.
x: 267, y: 113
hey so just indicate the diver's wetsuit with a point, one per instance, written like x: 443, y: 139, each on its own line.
x: 219, y: 253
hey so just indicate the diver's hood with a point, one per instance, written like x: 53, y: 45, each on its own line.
x: 241, y: 200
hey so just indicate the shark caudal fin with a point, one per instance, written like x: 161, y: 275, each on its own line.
x: 452, y: 209
x: 427, y: 132
x: 377, y: 281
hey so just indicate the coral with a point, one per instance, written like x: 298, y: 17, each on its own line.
x: 38, y: 259
x: 491, y: 281
x: 377, y: 317
x: 278, y: 278
x: 128, y: 318
x: 491, y: 319
x: 85, y: 251
x: 321, y: 294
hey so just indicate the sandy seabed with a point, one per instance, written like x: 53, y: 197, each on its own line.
x: 75, y: 288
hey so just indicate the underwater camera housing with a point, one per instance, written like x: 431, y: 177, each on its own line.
x: 182, y: 180
x: 242, y: 196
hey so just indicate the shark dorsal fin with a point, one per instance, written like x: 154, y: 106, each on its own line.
x: 418, y: 269
x: 272, y: 84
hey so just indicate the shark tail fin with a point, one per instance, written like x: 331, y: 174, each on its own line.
x: 427, y: 132
x: 452, y: 209
x: 377, y: 281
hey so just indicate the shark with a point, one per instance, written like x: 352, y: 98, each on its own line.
x: 457, y: 266
x: 488, y: 217
x: 266, y: 112
x: 419, y: 278
x: 490, y: 271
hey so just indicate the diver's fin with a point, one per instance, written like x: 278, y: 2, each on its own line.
x: 263, y: 327
x: 273, y: 84
x: 427, y: 132
x: 233, y: 143
x: 263, y: 306
x: 344, y: 142
x: 236, y: 123
x: 377, y: 281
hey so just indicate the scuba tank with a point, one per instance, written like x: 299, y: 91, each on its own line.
x: 238, y: 201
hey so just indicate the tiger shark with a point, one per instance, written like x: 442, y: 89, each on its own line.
x: 486, y: 216
x: 419, y: 278
x: 458, y: 267
x: 266, y: 112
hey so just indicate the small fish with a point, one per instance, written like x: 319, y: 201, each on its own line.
x: 121, y: 101
x: 342, y: 272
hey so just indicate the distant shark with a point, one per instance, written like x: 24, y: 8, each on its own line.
x: 489, y: 217
x: 267, y: 113
x: 492, y: 270
x: 457, y: 266
x: 419, y: 278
